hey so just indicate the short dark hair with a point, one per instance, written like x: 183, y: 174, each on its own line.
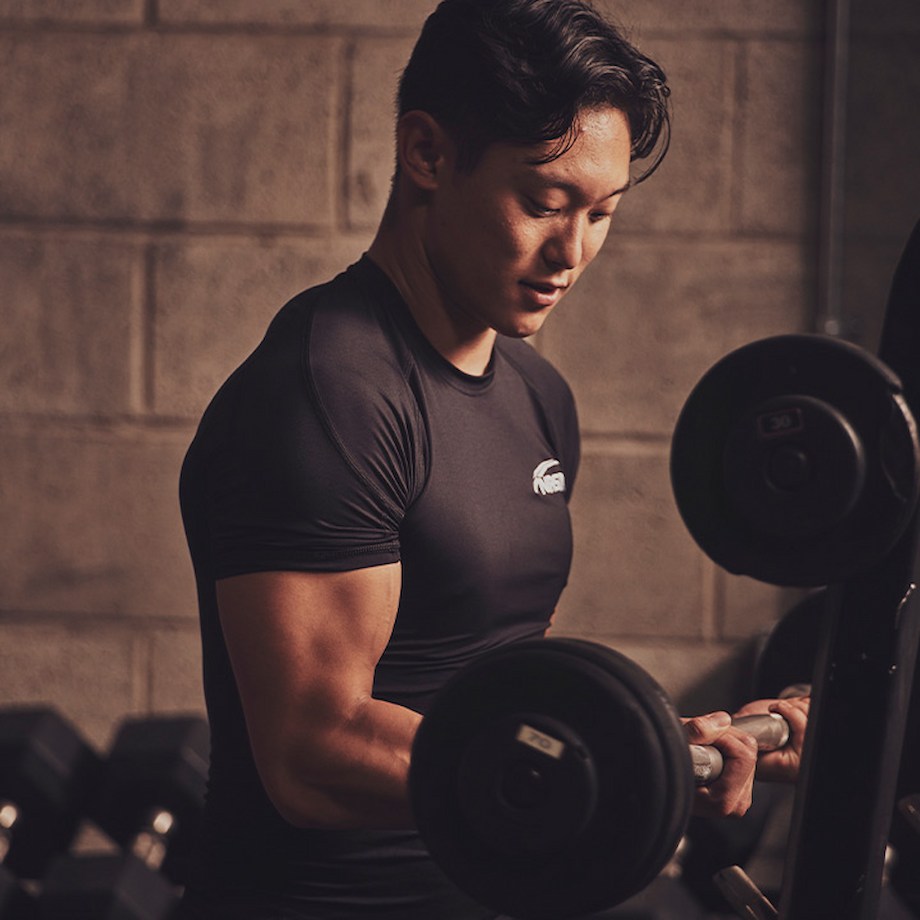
x: 521, y: 71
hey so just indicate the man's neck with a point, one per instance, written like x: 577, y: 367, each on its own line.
x: 400, y: 253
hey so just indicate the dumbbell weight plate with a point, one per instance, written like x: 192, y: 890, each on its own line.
x: 795, y: 461
x: 551, y: 779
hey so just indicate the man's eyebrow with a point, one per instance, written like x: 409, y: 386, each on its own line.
x: 572, y: 189
x: 622, y: 190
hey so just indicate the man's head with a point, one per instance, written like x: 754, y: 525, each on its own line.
x: 521, y: 71
x: 519, y: 122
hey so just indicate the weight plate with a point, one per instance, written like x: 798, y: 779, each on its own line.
x: 773, y: 477
x: 551, y: 778
x: 527, y: 784
x: 795, y: 461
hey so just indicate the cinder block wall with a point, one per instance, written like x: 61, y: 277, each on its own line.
x: 172, y: 170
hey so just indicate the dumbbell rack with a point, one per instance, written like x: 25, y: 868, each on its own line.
x: 862, y: 687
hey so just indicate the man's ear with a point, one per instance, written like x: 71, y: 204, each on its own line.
x: 423, y: 149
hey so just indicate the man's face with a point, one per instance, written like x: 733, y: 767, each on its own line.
x: 507, y: 241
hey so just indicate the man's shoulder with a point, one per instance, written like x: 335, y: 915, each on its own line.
x: 342, y: 325
x: 354, y: 328
x: 347, y: 298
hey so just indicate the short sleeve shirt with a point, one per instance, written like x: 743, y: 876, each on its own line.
x: 345, y: 441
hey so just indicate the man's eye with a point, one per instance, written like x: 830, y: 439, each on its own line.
x: 541, y: 210
x: 598, y: 216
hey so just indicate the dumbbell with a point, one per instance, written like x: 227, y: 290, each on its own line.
x: 150, y: 802
x: 16, y: 901
x: 552, y: 778
x: 47, y: 775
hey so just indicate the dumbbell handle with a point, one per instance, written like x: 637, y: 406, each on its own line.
x: 9, y: 816
x: 770, y: 729
x: 149, y: 843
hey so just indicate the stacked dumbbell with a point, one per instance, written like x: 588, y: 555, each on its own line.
x: 149, y: 801
x: 47, y: 776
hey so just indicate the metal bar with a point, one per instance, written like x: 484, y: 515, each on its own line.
x: 846, y: 795
x: 829, y: 316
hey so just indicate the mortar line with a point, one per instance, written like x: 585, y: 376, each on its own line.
x: 344, y: 99
x: 141, y: 673
x: 736, y: 154
x: 148, y: 331
x: 711, y: 602
x: 295, y: 232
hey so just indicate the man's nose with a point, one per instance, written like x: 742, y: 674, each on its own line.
x: 564, y: 248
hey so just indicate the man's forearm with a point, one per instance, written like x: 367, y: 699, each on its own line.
x: 347, y: 773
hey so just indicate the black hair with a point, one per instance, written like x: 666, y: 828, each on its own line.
x: 521, y: 71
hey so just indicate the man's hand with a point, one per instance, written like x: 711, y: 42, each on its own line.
x: 782, y: 766
x: 731, y: 794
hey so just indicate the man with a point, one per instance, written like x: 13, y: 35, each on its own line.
x: 366, y: 500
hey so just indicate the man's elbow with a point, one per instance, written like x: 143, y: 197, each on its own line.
x: 302, y: 800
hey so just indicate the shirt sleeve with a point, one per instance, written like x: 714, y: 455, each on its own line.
x: 324, y: 450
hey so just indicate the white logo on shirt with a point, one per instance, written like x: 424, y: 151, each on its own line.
x: 546, y: 483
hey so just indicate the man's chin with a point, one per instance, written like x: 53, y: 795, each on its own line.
x: 527, y: 326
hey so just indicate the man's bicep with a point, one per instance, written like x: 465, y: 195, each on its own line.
x: 304, y: 647
x: 305, y: 644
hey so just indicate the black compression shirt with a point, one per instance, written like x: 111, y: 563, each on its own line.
x: 346, y: 441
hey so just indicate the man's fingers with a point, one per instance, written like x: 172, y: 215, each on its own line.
x: 794, y: 711
x: 705, y: 729
x: 731, y: 794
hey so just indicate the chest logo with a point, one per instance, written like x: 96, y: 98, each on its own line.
x: 545, y: 482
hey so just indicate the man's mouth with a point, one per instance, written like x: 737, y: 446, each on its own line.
x: 544, y: 287
x: 543, y: 294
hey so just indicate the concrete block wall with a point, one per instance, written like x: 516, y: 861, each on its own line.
x: 882, y: 160
x: 172, y: 170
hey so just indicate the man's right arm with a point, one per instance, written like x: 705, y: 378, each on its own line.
x: 304, y: 647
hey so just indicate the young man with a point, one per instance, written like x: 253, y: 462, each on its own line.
x: 366, y: 499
